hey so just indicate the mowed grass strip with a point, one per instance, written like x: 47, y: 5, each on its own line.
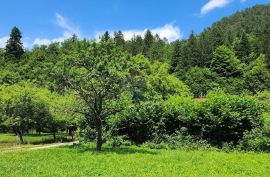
x: 82, y: 160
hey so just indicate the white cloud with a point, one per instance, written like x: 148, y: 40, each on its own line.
x: 168, y: 31
x: 213, y: 4
x: 3, y: 41
x: 68, y: 30
x: 67, y: 26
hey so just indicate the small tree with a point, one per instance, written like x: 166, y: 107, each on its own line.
x: 96, y: 72
x: 14, y: 47
x: 21, y: 110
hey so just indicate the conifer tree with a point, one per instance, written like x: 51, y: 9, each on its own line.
x: 107, y: 36
x: 148, y: 41
x: 14, y: 47
x: 176, y: 57
x: 119, y: 39
x: 242, y: 48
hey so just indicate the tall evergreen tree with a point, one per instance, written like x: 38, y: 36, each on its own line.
x: 156, y: 51
x: 119, y: 39
x: 14, y: 47
x: 148, y: 42
x: 105, y: 37
x: 176, y: 56
x: 242, y: 47
x: 135, y: 45
x: 193, y: 51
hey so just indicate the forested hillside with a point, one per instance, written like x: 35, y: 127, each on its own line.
x: 143, y: 90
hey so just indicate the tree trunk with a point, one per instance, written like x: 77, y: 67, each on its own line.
x: 72, y: 136
x: 54, y: 136
x: 99, y: 134
x: 20, y: 138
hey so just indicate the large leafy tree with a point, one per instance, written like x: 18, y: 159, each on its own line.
x: 257, y: 77
x: 225, y: 63
x: 14, y: 47
x: 97, y: 73
x: 201, y: 80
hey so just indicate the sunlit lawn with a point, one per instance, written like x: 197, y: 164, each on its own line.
x: 82, y: 160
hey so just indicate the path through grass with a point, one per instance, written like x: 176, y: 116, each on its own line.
x: 11, y: 141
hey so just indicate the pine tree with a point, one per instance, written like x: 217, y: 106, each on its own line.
x: 156, y: 51
x: 135, y: 45
x: 119, y: 39
x: 242, y: 48
x: 148, y: 42
x: 14, y: 47
x: 106, y: 36
x: 193, y: 51
x: 176, y: 55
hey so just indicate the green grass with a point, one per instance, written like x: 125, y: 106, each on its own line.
x: 82, y: 160
x: 10, y: 140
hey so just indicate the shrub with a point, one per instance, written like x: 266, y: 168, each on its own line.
x: 256, y: 140
x: 225, y: 118
x: 140, y: 122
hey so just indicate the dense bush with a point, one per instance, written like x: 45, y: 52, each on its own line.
x: 225, y: 118
x: 140, y: 122
x: 256, y: 140
x: 221, y: 119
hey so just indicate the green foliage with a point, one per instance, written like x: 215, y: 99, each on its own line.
x: 140, y: 122
x: 119, y: 39
x: 225, y: 118
x: 9, y: 77
x: 176, y: 55
x: 147, y: 41
x: 14, y: 48
x: 256, y: 140
x: 27, y: 107
x: 141, y: 89
x: 201, y: 80
x: 97, y: 73
x: 21, y: 111
x: 242, y: 48
x: 257, y: 76
x: 225, y: 63
x: 135, y: 45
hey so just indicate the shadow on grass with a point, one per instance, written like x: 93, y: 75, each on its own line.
x: 38, y: 135
x: 50, y: 141
x: 107, y: 150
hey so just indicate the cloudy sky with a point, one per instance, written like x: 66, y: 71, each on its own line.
x: 44, y: 21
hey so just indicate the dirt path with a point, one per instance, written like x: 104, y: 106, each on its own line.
x: 37, y: 147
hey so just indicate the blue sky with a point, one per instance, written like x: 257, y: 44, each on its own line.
x: 44, y: 21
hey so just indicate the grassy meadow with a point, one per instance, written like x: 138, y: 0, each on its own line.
x: 11, y: 141
x: 82, y: 160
